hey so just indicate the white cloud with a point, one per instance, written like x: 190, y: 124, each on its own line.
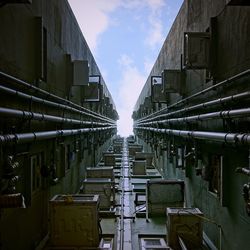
x: 93, y: 18
x: 132, y: 81
x: 155, y: 32
x: 156, y: 4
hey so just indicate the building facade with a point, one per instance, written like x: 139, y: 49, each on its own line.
x: 193, y: 114
x: 57, y: 115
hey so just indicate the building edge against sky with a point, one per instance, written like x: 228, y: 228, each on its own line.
x: 55, y: 128
x: 126, y: 37
x: 179, y: 115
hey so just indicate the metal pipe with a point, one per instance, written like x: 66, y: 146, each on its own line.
x: 42, y: 117
x: 49, y: 103
x: 49, y: 95
x: 231, y: 138
x: 45, y: 135
x: 220, y: 114
x: 223, y: 100
x: 215, y: 86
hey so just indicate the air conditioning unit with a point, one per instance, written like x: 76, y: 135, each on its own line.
x: 106, y: 244
x: 184, y: 226
x: 80, y: 72
x: 118, y: 140
x: 157, y: 94
x: 74, y: 220
x: 145, y: 156
x: 131, y: 139
x: 139, y: 167
x: 103, y: 187
x: 133, y: 148
x: 147, y: 102
x: 163, y: 193
x: 117, y: 147
x: 92, y: 92
x: 109, y: 159
x: 100, y: 172
x: 196, y: 50
x: 173, y: 81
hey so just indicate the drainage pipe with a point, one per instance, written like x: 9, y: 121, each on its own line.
x: 42, y: 117
x: 213, y: 115
x: 214, y: 87
x: 49, y: 103
x: 49, y: 95
x: 230, y: 138
x: 221, y: 101
x: 45, y: 135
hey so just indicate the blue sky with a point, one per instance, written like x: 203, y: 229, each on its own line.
x: 125, y: 37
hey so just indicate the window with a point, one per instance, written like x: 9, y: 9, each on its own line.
x: 36, y: 162
x: 217, y: 178
x: 215, y: 174
x: 151, y: 243
x: 63, y: 159
x: 68, y: 157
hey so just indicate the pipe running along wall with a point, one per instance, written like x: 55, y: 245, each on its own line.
x: 50, y: 103
x: 213, y: 115
x: 49, y: 95
x: 45, y: 135
x: 230, y: 138
x: 221, y: 101
x: 43, y: 117
x: 185, y: 100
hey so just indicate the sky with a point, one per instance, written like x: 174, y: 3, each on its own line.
x: 125, y: 37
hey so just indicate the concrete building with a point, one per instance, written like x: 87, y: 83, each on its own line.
x: 68, y: 181
x: 194, y: 104
x: 57, y: 115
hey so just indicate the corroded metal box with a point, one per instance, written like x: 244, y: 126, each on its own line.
x: 145, y: 156
x: 184, y: 224
x: 117, y: 147
x: 139, y: 167
x: 103, y: 187
x: 100, y: 172
x: 109, y: 159
x: 74, y: 220
x: 133, y: 148
x: 164, y: 193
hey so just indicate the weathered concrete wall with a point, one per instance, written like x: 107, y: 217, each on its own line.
x: 194, y: 16
x: 19, y: 53
x: 231, y: 56
x: 20, y: 56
